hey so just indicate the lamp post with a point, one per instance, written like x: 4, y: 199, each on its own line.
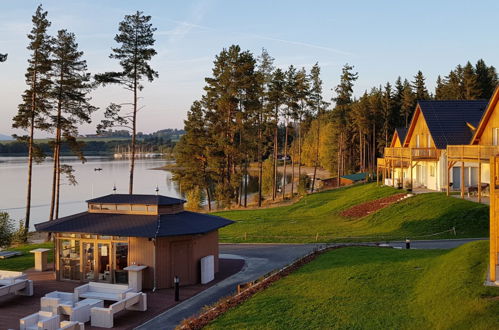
x: 176, y: 282
x: 407, y: 243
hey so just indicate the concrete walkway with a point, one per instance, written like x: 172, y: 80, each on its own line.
x: 261, y: 259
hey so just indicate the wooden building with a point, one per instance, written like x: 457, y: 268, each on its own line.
x: 120, y: 230
x: 422, y: 160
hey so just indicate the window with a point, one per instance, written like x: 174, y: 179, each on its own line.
x: 428, y: 141
x: 69, y: 259
x: 110, y: 207
x: 152, y: 208
x: 139, y: 208
x: 123, y: 207
x: 495, y: 136
x: 417, y: 141
x: 432, y: 170
x: 95, y: 206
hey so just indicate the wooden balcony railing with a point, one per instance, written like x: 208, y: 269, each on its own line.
x: 381, y: 162
x: 412, y: 153
x: 471, y: 152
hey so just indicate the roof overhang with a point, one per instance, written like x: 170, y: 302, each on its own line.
x: 486, y: 116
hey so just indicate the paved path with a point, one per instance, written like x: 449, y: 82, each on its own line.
x: 260, y: 259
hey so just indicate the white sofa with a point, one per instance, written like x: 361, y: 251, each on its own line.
x: 103, y: 291
x: 17, y: 287
x: 104, y: 317
x: 40, y: 321
x: 8, y: 277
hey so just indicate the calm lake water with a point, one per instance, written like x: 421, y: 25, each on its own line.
x: 91, y: 183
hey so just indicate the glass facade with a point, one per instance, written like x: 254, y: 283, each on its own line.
x: 93, y: 258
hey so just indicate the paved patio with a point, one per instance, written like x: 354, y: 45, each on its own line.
x: 12, y: 307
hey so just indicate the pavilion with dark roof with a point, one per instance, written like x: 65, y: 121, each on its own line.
x: 120, y: 230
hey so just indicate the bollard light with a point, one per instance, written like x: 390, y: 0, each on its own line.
x: 407, y: 243
x: 176, y: 282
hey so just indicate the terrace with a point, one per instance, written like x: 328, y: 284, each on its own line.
x: 16, y: 307
x: 471, y: 153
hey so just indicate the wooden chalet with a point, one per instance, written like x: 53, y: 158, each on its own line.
x: 421, y: 160
x: 121, y: 230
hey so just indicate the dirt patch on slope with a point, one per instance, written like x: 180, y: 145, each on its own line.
x: 361, y: 210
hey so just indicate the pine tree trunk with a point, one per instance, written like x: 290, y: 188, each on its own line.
x: 292, y: 172
x: 260, y: 164
x: 299, y: 150
x: 274, y: 181
x: 246, y: 183
x: 56, y: 149
x: 316, y: 162
x: 134, y: 132
x: 58, y: 184
x: 209, y: 197
x: 285, y: 163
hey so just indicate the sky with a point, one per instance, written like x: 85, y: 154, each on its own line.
x: 382, y: 39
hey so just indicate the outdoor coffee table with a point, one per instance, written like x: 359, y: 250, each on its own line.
x: 91, y: 302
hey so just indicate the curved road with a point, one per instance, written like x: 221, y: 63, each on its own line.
x: 261, y: 259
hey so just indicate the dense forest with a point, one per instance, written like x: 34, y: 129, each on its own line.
x: 254, y: 113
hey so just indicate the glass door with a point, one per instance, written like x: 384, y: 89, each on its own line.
x: 104, y: 263
x: 70, y: 259
x: 88, y: 261
x: 120, y: 262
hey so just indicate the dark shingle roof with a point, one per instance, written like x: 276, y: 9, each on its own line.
x: 137, y: 199
x: 447, y: 120
x: 401, y: 132
x: 132, y: 225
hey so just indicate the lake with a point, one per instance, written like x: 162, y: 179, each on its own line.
x: 91, y: 183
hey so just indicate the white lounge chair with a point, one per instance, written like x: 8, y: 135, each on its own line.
x: 103, y: 291
x: 17, y: 287
x: 71, y: 325
x: 8, y: 277
x: 40, y: 321
x: 104, y: 317
x: 51, y: 301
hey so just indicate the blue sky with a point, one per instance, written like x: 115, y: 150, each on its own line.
x: 382, y: 39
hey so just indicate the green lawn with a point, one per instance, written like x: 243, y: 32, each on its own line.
x: 26, y: 260
x: 319, y: 213
x: 375, y: 288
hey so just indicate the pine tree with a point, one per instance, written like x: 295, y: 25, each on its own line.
x: 290, y: 113
x: 136, y: 39
x: 420, y: 91
x: 265, y: 68
x: 303, y: 94
x: 470, y: 83
x: 408, y: 102
x: 3, y: 57
x: 439, y: 89
x: 32, y: 113
x: 276, y: 100
x: 387, y: 112
x: 486, y: 79
x: 317, y: 105
x: 71, y: 85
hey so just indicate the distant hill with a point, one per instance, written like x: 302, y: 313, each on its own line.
x: 4, y: 137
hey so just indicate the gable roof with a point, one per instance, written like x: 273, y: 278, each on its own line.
x: 447, y: 119
x: 486, y: 116
x: 400, y: 133
x: 136, y: 199
x: 133, y: 225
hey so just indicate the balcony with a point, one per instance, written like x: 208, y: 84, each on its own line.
x: 471, y: 153
x: 413, y: 154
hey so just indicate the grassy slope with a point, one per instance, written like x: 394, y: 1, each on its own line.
x: 320, y: 213
x: 373, y: 288
x: 25, y: 261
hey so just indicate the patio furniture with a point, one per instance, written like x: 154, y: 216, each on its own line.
x: 8, y: 277
x: 51, y: 301
x: 103, y: 291
x: 41, y: 256
x: 135, y: 277
x: 71, y: 325
x: 40, y: 321
x: 104, y: 317
x: 18, y: 287
x: 9, y: 254
x: 80, y: 311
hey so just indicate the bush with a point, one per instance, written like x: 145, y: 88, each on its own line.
x: 20, y: 236
x: 6, y: 229
x: 193, y: 197
x: 304, y: 184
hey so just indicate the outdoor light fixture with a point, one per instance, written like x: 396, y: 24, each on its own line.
x: 114, y: 189
x: 407, y: 243
x: 157, y: 190
x: 176, y: 282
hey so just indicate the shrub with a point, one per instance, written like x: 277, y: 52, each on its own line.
x: 304, y: 184
x: 6, y: 229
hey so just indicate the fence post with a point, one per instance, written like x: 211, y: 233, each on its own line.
x: 317, y: 237
x: 245, y: 236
